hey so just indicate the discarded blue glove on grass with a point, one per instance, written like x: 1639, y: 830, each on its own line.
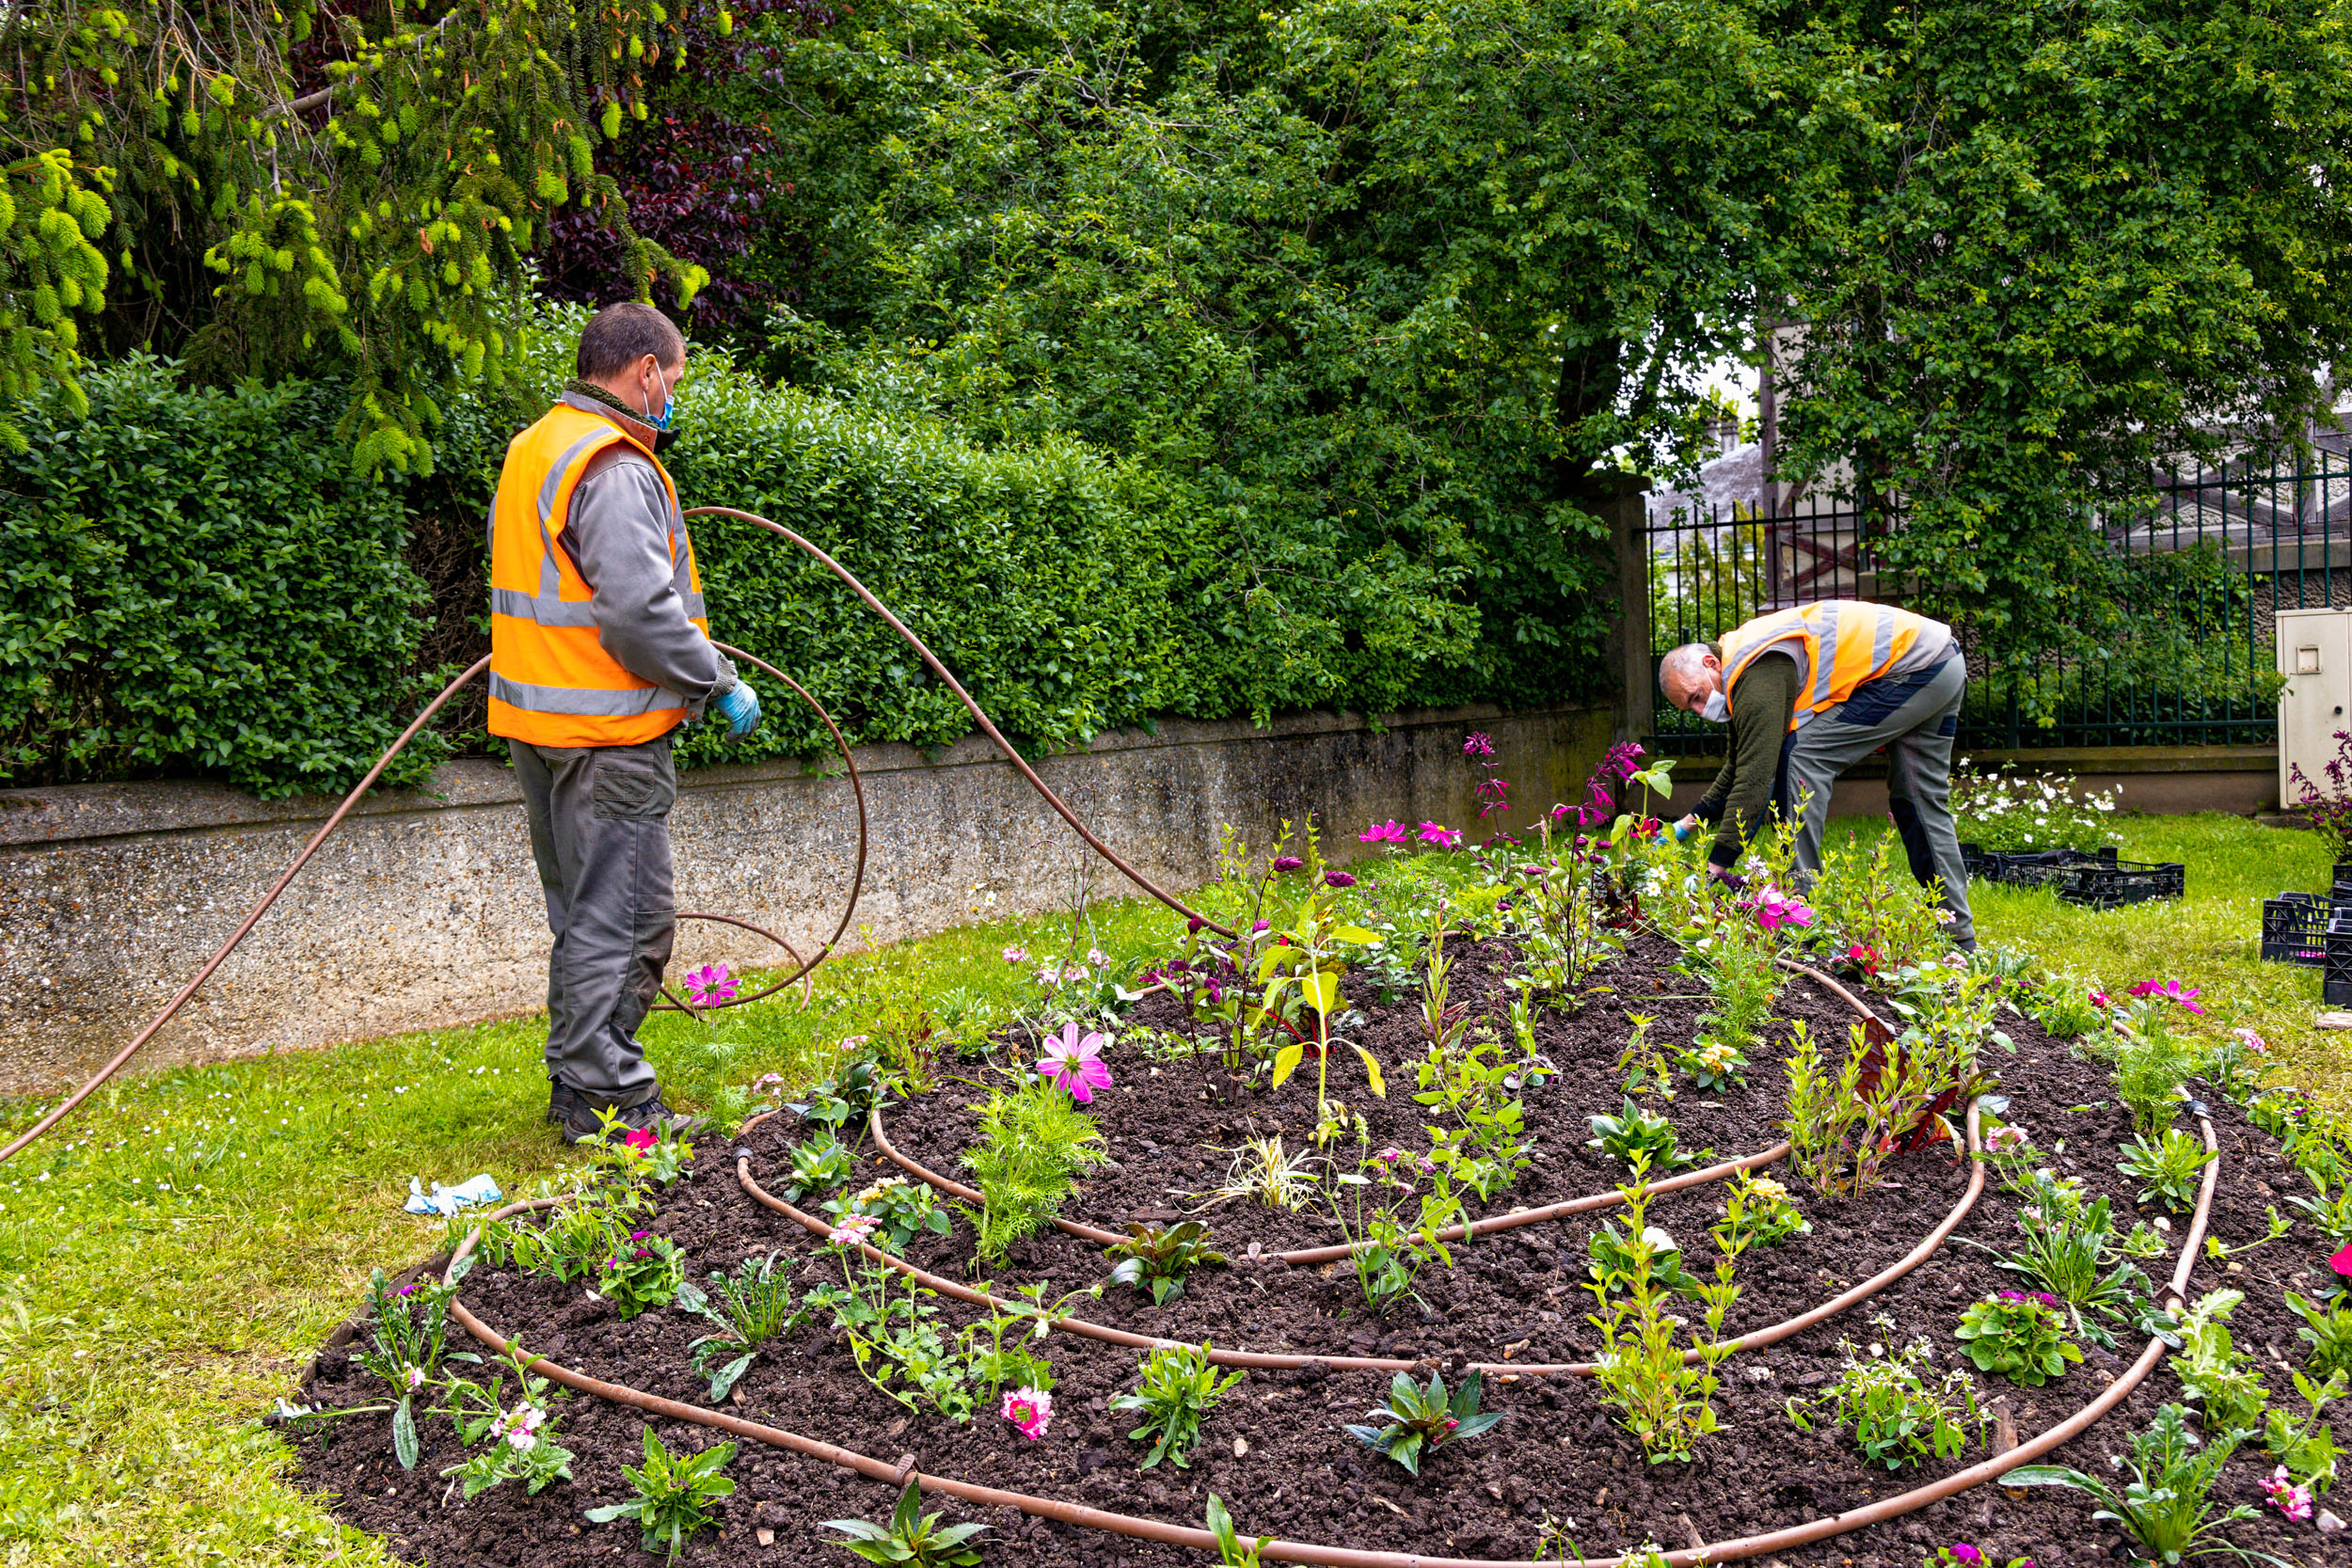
x: 480, y: 1192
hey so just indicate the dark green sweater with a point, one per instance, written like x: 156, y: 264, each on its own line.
x: 1762, y: 703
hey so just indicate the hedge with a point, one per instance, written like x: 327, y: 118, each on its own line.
x: 195, y: 583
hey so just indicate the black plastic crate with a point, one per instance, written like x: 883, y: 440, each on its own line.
x: 2342, y: 883
x: 2336, y: 978
x: 2295, y: 928
x: 2100, y: 880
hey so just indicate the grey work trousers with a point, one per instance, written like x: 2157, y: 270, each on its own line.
x: 1916, y: 717
x: 600, y: 833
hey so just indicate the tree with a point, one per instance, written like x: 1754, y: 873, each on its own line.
x: 1398, y: 291
x: 270, y: 191
x: 2040, y: 248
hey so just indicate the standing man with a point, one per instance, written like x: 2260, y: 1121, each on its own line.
x: 1810, y: 691
x: 599, y: 648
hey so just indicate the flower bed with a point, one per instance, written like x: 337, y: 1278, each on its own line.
x: 1940, y: 1365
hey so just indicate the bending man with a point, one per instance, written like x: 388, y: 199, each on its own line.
x: 599, y: 648
x: 1810, y: 691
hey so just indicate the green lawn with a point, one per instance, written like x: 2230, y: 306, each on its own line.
x: 169, y: 1256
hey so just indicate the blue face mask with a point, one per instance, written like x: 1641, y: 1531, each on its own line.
x: 669, y: 405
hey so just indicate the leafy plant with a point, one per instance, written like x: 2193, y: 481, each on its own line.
x: 1758, y: 1211
x: 1390, y: 1254
x: 912, y: 1537
x: 1301, y: 974
x: 2306, y: 1449
x: 899, y: 1211
x: 1617, y: 1261
x: 1897, y: 1414
x: 2214, y: 1372
x: 2172, y: 1168
x: 1231, y: 1552
x: 2020, y: 1337
x: 1154, y: 1259
x: 674, y: 1493
x: 818, y: 1166
x: 2149, y: 1065
x: 1741, y: 982
x: 1034, y: 1142
x: 1179, y: 1387
x: 2065, y: 1252
x: 2167, y: 1506
x: 405, y: 1329
x: 2327, y: 1329
x: 1668, y: 1404
x: 846, y: 1097
x: 2013, y: 814
x: 1844, y: 1126
x: 1418, y: 1421
x: 1262, y: 1169
x: 749, y: 1308
x: 643, y: 1271
x: 1471, y: 1080
x: 1640, y: 1139
x: 521, y: 1439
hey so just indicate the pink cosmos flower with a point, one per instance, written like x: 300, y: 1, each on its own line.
x: 2342, y: 1261
x: 1776, y: 909
x: 1338, y: 879
x: 709, y: 985
x: 2288, y: 1498
x: 1016, y: 954
x: 1096, y: 956
x: 642, y: 1140
x: 1382, y: 833
x: 853, y: 1229
x: 1438, y: 834
x: 1031, y: 1410
x: 768, y: 1081
x: 2170, y: 991
x: 1075, y: 1062
x: 2249, y: 1039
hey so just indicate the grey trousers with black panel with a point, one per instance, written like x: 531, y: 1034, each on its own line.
x: 600, y: 833
x: 1916, y: 717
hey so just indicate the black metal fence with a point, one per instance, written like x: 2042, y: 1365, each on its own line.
x: 2221, y: 551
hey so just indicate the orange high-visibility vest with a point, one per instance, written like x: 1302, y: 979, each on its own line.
x: 551, y: 682
x: 1863, y: 641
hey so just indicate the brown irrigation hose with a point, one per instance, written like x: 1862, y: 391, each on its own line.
x: 1285, y: 1361
x: 1344, y: 1556
x: 857, y: 877
x: 1308, y: 1256
x: 987, y: 726
x: 221, y: 953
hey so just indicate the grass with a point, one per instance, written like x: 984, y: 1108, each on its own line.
x: 171, y: 1256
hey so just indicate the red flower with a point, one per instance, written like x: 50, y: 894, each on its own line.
x: 640, y: 1140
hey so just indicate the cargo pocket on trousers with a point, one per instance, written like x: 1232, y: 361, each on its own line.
x: 634, y: 782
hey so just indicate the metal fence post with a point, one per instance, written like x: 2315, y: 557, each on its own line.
x: 1629, y: 537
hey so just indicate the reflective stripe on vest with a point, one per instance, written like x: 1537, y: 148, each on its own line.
x: 551, y: 682
x: 1864, y: 640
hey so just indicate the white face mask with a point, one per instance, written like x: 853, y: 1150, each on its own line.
x: 1715, y: 710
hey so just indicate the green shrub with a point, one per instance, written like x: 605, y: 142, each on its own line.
x: 193, y: 581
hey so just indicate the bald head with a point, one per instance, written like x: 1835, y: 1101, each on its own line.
x: 1689, y: 676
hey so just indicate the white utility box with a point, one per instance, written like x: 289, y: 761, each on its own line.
x: 2315, y: 657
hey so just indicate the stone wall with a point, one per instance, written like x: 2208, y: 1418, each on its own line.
x: 423, y: 911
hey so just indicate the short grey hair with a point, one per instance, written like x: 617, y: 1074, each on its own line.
x: 1681, y: 667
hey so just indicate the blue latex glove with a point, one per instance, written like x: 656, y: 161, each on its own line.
x: 1682, y: 832
x: 739, y: 708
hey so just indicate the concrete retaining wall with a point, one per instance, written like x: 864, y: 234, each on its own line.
x: 424, y: 911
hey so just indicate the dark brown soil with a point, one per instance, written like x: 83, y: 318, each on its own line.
x: 1274, y: 1448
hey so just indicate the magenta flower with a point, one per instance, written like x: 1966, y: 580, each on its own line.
x: 709, y: 985
x: 1438, y: 834
x: 2170, y: 991
x: 416, y: 1377
x: 642, y: 1140
x: 1775, y: 909
x: 1099, y: 958
x: 2100, y: 998
x: 2288, y: 1498
x: 1076, y: 1064
x: 1478, y: 745
x: 1382, y: 833
x: 1261, y: 926
x: 1338, y: 879
x: 1016, y: 954
x: 2342, y: 1261
x: 1029, y: 1410
x: 1288, y: 862
x: 1963, y: 1552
